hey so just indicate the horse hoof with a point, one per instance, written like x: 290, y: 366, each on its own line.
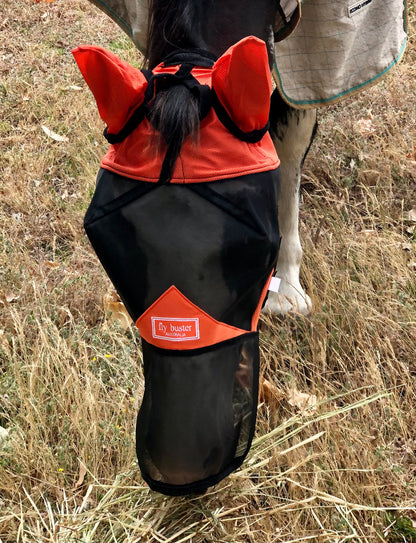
x: 289, y: 299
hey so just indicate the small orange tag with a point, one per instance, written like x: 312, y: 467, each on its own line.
x: 175, y: 329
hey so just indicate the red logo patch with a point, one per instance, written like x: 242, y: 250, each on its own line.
x: 175, y: 329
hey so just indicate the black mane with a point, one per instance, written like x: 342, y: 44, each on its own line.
x: 213, y: 25
x: 173, y: 24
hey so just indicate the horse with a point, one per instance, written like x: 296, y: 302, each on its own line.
x: 167, y: 25
x: 184, y: 221
x: 193, y: 263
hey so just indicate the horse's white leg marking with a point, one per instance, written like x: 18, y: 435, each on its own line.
x: 292, y: 138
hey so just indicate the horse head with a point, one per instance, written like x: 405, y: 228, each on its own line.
x: 184, y: 220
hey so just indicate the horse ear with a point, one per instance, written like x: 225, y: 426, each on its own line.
x: 242, y: 81
x: 118, y: 88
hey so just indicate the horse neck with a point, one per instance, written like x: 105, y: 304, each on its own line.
x: 213, y: 25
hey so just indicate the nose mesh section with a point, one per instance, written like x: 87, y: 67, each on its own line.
x: 197, y: 419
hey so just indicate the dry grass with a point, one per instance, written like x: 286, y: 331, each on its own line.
x: 70, y: 381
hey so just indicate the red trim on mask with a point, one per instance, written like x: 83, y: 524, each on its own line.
x: 242, y: 82
x: 174, y: 322
x: 118, y: 88
x: 256, y: 314
x: 217, y: 155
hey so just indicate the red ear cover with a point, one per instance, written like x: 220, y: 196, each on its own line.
x: 242, y: 81
x: 118, y: 88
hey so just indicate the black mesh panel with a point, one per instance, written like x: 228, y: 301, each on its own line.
x: 217, y: 244
x: 198, y: 413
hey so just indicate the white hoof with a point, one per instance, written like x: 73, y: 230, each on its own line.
x: 290, y: 299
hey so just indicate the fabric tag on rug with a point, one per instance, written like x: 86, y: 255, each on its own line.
x: 357, y: 6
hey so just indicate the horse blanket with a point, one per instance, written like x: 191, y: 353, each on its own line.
x: 339, y: 47
x: 325, y: 49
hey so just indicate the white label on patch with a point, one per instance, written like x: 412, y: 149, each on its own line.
x: 175, y: 329
x: 274, y: 284
x: 354, y: 8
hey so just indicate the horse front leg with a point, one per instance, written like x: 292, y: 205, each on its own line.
x: 292, y: 132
